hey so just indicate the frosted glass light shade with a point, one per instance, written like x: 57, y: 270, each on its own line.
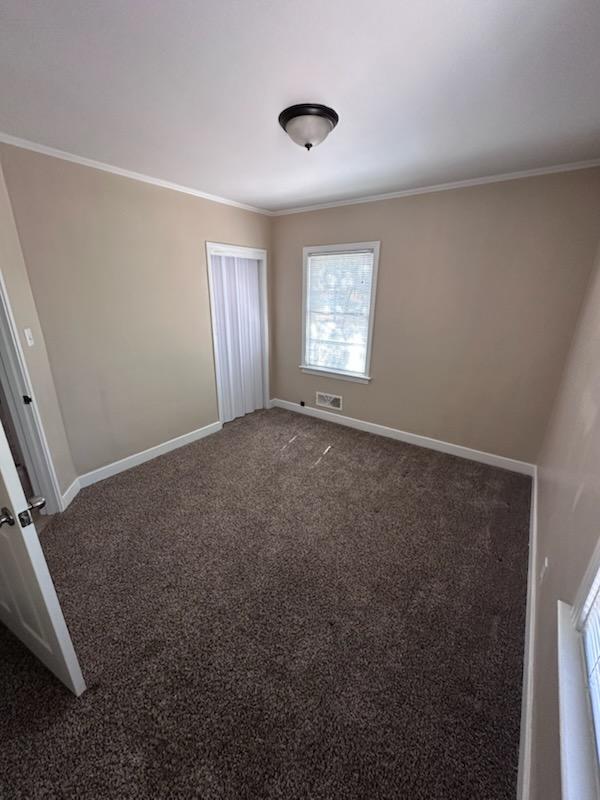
x: 308, y: 124
x: 308, y: 130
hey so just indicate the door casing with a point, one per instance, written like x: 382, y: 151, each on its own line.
x: 256, y: 254
x: 27, y: 420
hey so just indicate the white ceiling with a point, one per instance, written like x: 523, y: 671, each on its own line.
x: 188, y: 91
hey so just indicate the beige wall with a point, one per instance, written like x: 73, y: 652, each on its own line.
x: 478, y: 293
x: 26, y: 316
x: 118, y: 272
x: 568, y: 522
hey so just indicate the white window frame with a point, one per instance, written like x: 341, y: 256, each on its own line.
x: 580, y: 768
x: 328, y: 249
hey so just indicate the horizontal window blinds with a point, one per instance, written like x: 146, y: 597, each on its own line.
x: 590, y: 627
x: 338, y: 307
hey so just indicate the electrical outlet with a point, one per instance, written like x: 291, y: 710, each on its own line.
x: 544, y: 569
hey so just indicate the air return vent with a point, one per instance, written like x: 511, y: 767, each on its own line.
x: 329, y: 400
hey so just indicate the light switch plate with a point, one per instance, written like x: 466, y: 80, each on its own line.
x: 29, y: 337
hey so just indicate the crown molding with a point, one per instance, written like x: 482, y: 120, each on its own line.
x: 373, y: 198
x: 6, y: 138
x: 441, y: 187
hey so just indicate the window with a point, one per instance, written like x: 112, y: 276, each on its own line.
x: 579, y: 688
x: 339, y: 299
x: 589, y: 625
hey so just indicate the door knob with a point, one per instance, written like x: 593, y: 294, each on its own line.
x: 6, y: 517
x: 36, y: 502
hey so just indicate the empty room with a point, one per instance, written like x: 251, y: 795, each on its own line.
x: 299, y: 400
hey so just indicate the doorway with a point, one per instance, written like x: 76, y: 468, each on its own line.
x: 238, y: 298
x: 19, y: 455
x: 29, y: 605
x: 14, y: 444
x: 20, y: 417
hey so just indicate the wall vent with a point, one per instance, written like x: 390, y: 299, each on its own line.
x: 329, y: 400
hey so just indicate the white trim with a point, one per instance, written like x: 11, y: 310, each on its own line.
x: 124, y: 173
x: 578, y: 760
x: 526, y: 736
x: 340, y: 376
x: 411, y: 438
x: 71, y: 493
x: 441, y: 187
x: 27, y: 419
x: 146, y: 455
x: 237, y: 251
x: 583, y: 597
x: 353, y: 247
x: 26, y: 144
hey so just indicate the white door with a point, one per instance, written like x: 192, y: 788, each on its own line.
x: 28, y: 602
x: 238, y: 334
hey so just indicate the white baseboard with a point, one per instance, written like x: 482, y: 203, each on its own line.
x: 146, y: 455
x: 133, y: 460
x: 411, y: 438
x: 71, y: 493
x: 526, y: 740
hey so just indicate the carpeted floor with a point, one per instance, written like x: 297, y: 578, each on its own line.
x: 258, y: 618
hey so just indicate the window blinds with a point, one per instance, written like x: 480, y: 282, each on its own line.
x: 338, y: 307
x: 590, y: 628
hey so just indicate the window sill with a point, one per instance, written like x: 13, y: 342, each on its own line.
x: 342, y: 376
x: 578, y: 760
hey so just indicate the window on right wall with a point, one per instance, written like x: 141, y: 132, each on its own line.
x: 579, y: 688
x: 588, y: 623
x: 338, y: 309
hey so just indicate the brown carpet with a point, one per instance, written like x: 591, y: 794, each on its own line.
x: 254, y: 622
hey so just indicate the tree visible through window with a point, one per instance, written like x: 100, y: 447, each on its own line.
x: 339, y: 294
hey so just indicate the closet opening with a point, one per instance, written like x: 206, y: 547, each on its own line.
x: 239, y: 316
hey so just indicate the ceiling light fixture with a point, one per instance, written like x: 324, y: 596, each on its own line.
x: 308, y: 124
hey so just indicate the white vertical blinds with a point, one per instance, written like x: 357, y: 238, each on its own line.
x: 238, y: 340
x: 339, y: 286
x: 590, y: 628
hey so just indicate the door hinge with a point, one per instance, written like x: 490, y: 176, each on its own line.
x: 27, y: 400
